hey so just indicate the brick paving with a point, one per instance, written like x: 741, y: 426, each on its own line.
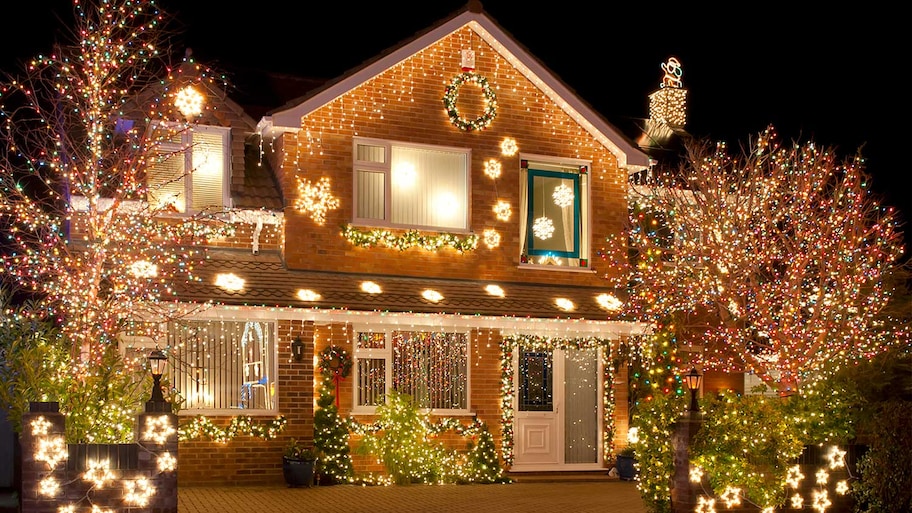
x: 558, y: 497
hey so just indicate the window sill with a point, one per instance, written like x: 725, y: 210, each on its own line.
x: 559, y: 268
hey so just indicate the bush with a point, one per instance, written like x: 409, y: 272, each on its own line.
x: 885, y: 484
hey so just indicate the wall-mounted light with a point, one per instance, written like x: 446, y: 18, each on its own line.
x: 297, y: 350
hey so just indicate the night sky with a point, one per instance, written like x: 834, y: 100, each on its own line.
x: 837, y: 74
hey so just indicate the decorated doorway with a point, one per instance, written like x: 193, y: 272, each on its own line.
x: 558, y: 413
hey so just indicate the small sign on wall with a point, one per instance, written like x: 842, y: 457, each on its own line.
x: 468, y: 60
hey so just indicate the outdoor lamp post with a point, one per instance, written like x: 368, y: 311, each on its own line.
x: 157, y: 363
x: 693, y: 383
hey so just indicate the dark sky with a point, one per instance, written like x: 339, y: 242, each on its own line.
x: 837, y: 73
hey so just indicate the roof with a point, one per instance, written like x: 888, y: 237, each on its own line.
x: 625, y: 150
x: 267, y: 283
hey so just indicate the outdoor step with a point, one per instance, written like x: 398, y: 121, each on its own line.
x: 555, y: 477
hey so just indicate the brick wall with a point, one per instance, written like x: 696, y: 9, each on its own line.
x: 405, y: 104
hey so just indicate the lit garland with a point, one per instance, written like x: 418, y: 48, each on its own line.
x: 510, y: 344
x: 409, y: 239
x: 202, y: 428
x: 452, y: 94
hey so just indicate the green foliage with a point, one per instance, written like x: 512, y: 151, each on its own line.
x: 886, y: 469
x: 331, y: 438
x: 296, y: 450
x: 655, y: 422
x: 483, y: 465
x: 402, y: 443
x: 748, y: 442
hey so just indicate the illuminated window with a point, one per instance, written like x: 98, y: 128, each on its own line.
x: 430, y: 366
x: 411, y: 186
x: 190, y: 170
x: 222, y: 365
x: 554, y: 221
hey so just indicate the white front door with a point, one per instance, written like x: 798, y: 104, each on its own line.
x: 558, y: 410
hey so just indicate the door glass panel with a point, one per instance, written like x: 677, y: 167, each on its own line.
x: 535, y: 381
x: 581, y: 411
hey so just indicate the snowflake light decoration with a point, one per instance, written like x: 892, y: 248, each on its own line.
x: 563, y: 196
x: 503, y: 211
x: 543, y: 228
x: 492, y: 168
x: 491, y: 238
x: 166, y: 462
x: 508, y: 147
x: 189, y: 102
x: 316, y: 199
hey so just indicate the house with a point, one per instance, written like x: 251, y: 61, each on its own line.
x: 436, y: 214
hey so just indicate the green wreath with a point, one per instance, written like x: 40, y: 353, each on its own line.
x: 335, y: 362
x: 452, y: 93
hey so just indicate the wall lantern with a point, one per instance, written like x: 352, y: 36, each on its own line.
x: 157, y: 364
x: 693, y: 379
x: 297, y: 350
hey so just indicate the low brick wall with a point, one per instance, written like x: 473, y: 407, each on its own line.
x: 117, y: 478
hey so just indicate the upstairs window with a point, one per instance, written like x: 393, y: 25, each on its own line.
x: 554, y: 221
x: 401, y: 185
x: 190, y: 169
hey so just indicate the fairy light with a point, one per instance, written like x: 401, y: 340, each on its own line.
x: 98, y: 472
x: 836, y: 457
x: 166, y: 462
x: 503, y: 210
x: 316, y: 199
x: 158, y: 429
x: 821, y: 501
x: 51, y: 450
x: 493, y: 168
x: 491, y: 238
x: 137, y: 492
x: 794, y: 476
x: 49, y: 486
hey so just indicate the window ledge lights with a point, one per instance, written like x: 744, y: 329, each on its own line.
x: 560, y: 268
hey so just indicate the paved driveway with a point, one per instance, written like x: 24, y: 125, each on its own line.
x: 552, y: 497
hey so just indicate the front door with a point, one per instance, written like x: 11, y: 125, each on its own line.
x: 557, y: 410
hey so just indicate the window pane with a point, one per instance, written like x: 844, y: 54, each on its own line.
x: 208, y: 170
x: 429, y: 188
x: 370, y: 153
x: 222, y: 364
x: 371, y: 381
x: 371, y: 340
x: 371, y: 195
x: 431, y: 368
x: 581, y: 396
x: 166, y: 182
x: 535, y: 381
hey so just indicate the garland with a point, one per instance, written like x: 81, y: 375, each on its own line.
x: 201, y: 428
x: 335, y: 363
x: 452, y: 93
x: 409, y: 239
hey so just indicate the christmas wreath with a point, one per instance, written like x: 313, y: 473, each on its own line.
x: 335, y: 362
x: 452, y: 93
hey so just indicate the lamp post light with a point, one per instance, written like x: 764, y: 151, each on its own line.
x: 157, y: 363
x: 693, y: 379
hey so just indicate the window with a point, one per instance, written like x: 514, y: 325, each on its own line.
x: 430, y: 366
x: 222, y: 365
x: 554, y: 221
x: 411, y: 186
x: 190, y: 170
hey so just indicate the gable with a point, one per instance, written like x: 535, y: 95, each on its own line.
x: 441, y: 44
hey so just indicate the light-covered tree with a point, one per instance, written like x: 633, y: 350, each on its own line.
x: 775, y: 260
x: 84, y: 232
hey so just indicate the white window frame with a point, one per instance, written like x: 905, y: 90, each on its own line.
x: 385, y: 168
x: 186, y: 146
x: 386, y: 353
x: 585, y: 236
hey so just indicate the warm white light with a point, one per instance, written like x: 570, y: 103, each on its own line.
x: 229, y: 281
x: 822, y: 476
x: 503, y: 210
x: 370, y: 287
x: 491, y: 238
x: 821, y: 501
x: 543, y: 228
x: 608, y: 302
x: 446, y: 205
x: 493, y: 168
x: 794, y: 476
x: 563, y: 196
x: 705, y: 505
x: 158, y: 429
x: 98, y: 473
x: 49, y: 487
x: 432, y: 295
x: 696, y: 474
x: 564, y: 304
x: 836, y: 457
x: 404, y: 175
x: 731, y: 496
x: 166, y: 462
x: 138, y: 492
x: 40, y: 426
x: 144, y: 269
x: 633, y: 435
x: 797, y: 501
x: 316, y: 199
x: 495, y: 290
x: 308, y: 295
x: 51, y: 451
x: 189, y: 102
x: 508, y: 147
x: 842, y: 487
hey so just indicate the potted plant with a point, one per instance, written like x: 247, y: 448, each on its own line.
x: 625, y: 463
x: 298, y: 463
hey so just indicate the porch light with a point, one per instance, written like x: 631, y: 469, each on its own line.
x: 297, y: 350
x: 693, y: 379
x: 157, y: 363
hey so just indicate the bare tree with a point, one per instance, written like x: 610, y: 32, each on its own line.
x: 82, y: 127
x: 775, y: 261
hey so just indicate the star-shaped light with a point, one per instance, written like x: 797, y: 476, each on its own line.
x: 796, y: 501
x: 821, y: 501
x: 40, y: 426
x: 842, y: 487
x: 98, y: 473
x: 51, y: 451
x: 166, y: 462
x: 768, y: 509
x: 696, y: 474
x: 794, y: 476
x: 822, y: 476
x: 316, y: 199
x: 705, y: 505
x: 158, y: 429
x: 731, y: 496
x: 836, y: 457
x: 49, y: 487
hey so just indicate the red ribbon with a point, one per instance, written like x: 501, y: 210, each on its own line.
x: 337, y: 377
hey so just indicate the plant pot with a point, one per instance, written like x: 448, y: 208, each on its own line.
x: 298, y: 472
x: 625, y: 467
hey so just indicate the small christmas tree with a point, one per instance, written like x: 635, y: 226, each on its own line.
x: 331, y: 438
